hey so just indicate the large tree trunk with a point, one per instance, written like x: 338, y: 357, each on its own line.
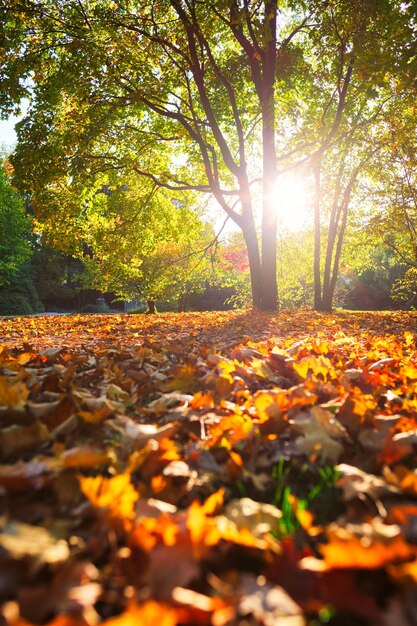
x: 269, y: 225
x: 269, y: 216
x: 255, y: 267
x: 151, y: 306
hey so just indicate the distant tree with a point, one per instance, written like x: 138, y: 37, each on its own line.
x: 390, y: 195
x: 165, y: 268
x: 55, y: 277
x: 295, y: 269
x: 15, y: 228
x: 363, y: 64
x: 372, y: 285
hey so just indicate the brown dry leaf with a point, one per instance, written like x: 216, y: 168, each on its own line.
x: 16, y: 440
x: 139, y: 434
x: 321, y: 434
x: 356, y: 483
x: 35, y: 542
x: 52, y: 354
x: 268, y: 604
x: 12, y: 393
x: 85, y: 456
x: 42, y: 409
x: 169, y: 400
x: 71, y: 590
x: 23, y: 476
x: 258, y: 517
x: 10, y: 612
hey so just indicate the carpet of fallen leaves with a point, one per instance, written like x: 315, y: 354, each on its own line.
x: 209, y: 469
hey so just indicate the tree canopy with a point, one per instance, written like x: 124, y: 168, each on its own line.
x: 216, y: 97
x: 14, y: 228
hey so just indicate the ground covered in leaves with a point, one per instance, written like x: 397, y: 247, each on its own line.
x: 218, y: 468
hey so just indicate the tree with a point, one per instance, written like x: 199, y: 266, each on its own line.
x: 129, y: 86
x: 362, y: 55
x: 167, y: 272
x: 391, y: 197
x: 14, y: 228
x: 117, y: 228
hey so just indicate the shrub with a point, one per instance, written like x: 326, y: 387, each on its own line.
x: 24, y: 285
x: 13, y: 303
x: 94, y: 308
x: 20, y: 296
x: 166, y: 306
x: 137, y: 311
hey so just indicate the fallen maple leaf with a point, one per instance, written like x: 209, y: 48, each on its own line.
x: 148, y: 614
x: 12, y: 393
x: 369, y: 545
x: 115, y: 496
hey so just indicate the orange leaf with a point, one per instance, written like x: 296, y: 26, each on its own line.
x: 149, y: 614
x: 85, y: 456
x: 151, y: 531
x: 363, y: 548
x: 116, y: 495
x: 12, y: 393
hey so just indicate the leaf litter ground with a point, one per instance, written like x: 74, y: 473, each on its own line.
x: 209, y: 468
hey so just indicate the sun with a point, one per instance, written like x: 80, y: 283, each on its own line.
x: 292, y: 196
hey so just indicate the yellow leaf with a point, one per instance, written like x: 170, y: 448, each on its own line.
x: 149, y: 614
x: 12, y: 393
x: 116, y: 495
x: 315, y: 366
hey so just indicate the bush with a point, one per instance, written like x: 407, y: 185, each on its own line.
x: 211, y: 299
x: 24, y: 285
x: 94, y: 308
x: 166, y: 306
x: 12, y: 303
x: 20, y: 296
x: 137, y: 311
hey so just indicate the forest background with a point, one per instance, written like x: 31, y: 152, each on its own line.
x: 265, y: 148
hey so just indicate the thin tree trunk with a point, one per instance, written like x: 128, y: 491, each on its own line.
x: 329, y: 295
x: 317, y: 238
x: 340, y: 228
x: 182, y: 302
x: 334, y: 222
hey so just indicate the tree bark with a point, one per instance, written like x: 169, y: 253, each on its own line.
x: 317, y: 237
x: 151, y: 306
x: 255, y: 267
x: 182, y: 302
x: 337, y: 228
x: 269, y: 215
